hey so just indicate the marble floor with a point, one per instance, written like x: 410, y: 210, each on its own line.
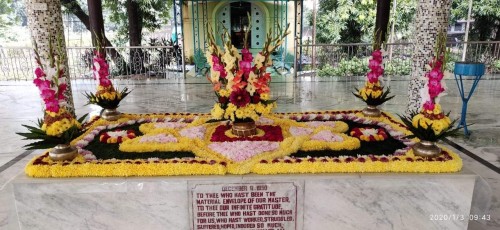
x: 20, y: 104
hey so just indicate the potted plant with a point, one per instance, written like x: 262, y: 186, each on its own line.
x: 107, y: 96
x: 58, y: 126
x: 373, y: 93
x: 430, y: 124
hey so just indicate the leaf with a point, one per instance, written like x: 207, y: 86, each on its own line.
x: 82, y: 118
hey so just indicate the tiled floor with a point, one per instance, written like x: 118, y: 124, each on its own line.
x: 20, y: 104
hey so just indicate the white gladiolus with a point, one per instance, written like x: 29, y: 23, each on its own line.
x: 97, y: 66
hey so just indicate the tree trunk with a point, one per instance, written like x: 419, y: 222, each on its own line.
x: 382, y: 21
x: 96, y: 24
x: 431, y: 19
x: 136, y: 60
x: 134, y: 23
x: 497, y: 36
x: 74, y: 7
x: 46, y: 25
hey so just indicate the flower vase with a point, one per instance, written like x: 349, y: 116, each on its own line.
x: 244, y: 129
x: 63, y: 152
x: 372, y: 111
x: 110, y: 114
x: 427, y: 149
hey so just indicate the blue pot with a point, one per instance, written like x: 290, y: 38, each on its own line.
x: 469, y: 68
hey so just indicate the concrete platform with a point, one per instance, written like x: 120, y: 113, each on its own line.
x: 322, y: 201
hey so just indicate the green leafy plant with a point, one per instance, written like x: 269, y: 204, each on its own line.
x: 48, y: 141
x: 397, y: 66
x: 326, y: 71
x: 428, y: 133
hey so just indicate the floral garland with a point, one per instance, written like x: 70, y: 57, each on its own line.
x: 43, y: 167
x: 242, y: 88
x: 449, y: 162
x: 256, y: 156
x: 117, y: 136
x: 369, y: 134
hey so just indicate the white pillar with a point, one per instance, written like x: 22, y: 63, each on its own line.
x: 431, y: 19
x: 45, y: 22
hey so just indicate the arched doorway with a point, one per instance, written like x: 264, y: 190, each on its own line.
x: 233, y: 15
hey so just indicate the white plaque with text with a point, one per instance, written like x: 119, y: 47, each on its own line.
x: 270, y: 206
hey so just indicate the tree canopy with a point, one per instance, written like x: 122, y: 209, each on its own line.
x: 486, y: 15
x: 150, y: 15
x: 7, y: 16
x: 352, y: 21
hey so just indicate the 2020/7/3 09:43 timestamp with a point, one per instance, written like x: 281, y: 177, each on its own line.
x: 444, y: 217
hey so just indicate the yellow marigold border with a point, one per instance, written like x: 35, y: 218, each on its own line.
x: 218, y: 166
x: 327, y: 165
x: 122, y: 168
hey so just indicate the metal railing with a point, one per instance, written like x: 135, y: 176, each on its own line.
x: 351, y: 59
x: 18, y: 63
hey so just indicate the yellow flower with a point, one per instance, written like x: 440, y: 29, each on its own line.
x: 217, y: 112
x: 259, y: 59
x: 224, y: 93
x: 240, y: 113
x: 264, y: 96
x: 437, y: 109
x: 214, y: 75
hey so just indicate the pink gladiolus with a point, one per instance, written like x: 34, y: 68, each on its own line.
x: 372, y: 77
x: 435, y: 88
x: 215, y: 59
x: 52, y: 106
x: 433, y: 74
x: 429, y: 105
x: 223, y: 73
x: 37, y: 82
x: 377, y: 55
x: 103, y: 72
x: 246, y: 66
x: 373, y: 64
x: 379, y: 71
x: 62, y: 88
x: 45, y: 84
x: 247, y: 56
x: 218, y: 67
x: 47, y: 94
x: 39, y: 72
x: 104, y: 82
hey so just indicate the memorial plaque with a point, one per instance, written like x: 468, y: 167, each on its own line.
x: 269, y: 206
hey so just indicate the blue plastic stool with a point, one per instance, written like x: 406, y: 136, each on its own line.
x: 462, y: 70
